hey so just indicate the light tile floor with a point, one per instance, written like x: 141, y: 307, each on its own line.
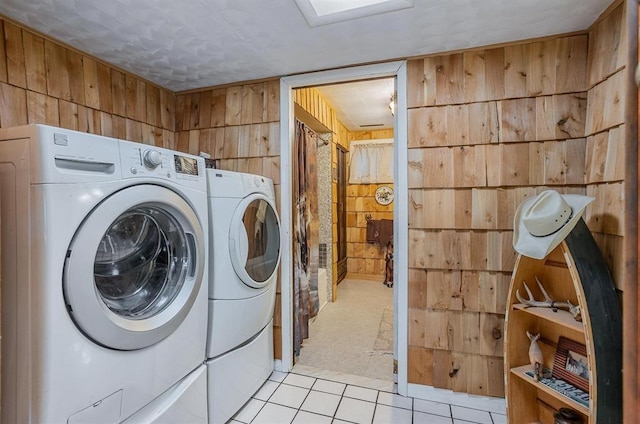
x: 292, y: 398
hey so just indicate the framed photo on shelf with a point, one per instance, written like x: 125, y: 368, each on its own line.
x: 571, y: 363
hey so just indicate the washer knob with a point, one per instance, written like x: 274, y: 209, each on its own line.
x: 152, y: 158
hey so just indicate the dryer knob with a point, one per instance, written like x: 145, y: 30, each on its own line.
x: 152, y: 158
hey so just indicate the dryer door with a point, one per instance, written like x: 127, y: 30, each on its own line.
x: 254, y: 240
x: 134, y: 267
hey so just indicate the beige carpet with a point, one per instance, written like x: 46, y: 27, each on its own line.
x: 353, y: 335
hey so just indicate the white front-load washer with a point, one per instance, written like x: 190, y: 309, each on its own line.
x: 244, y: 256
x: 104, y: 254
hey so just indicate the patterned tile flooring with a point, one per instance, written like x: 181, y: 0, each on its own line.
x: 302, y: 397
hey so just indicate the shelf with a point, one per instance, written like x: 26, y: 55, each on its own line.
x: 521, y: 373
x: 561, y: 316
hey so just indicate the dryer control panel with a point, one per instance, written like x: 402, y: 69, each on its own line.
x: 139, y: 160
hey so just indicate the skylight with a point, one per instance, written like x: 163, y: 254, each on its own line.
x: 324, y: 12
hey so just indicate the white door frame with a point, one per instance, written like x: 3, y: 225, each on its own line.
x: 397, y: 69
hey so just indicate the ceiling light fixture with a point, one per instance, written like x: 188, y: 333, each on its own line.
x: 324, y: 12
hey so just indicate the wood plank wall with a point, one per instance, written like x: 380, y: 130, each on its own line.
x: 605, y: 131
x: 487, y: 128
x: 44, y: 82
x: 363, y: 257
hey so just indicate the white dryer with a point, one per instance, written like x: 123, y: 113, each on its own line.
x: 104, y: 251
x: 244, y: 255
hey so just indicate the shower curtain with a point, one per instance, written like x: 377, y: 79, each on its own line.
x: 305, y: 227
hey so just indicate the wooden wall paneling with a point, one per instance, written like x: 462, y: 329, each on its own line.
x: 415, y: 81
x: 233, y: 106
x: 569, y: 115
x: 68, y: 114
x: 194, y: 138
x: 495, y: 373
x: 484, y: 123
x: 119, y: 126
x: 218, y: 107
x: 256, y: 146
x: 182, y: 141
x: 420, y: 368
x: 463, y: 212
x: 515, y: 70
x: 607, y: 51
x: 442, y: 368
x: 491, y: 334
x: 246, y: 105
x: 244, y: 141
x: 541, y: 68
x: 417, y: 330
x: 545, y: 118
x: 418, y: 289
x: 230, y: 148
x: 91, y: 82
x: 76, y: 76
x: 605, y: 156
x: 134, y: 131
x: 42, y: 109
x: 436, y: 322
x: 104, y: 88
x: 469, y: 166
x: 3, y: 54
x: 183, y: 110
x: 575, y: 156
x: 514, y: 164
x: 518, y: 120
x: 16, y: 71
x: 449, y: 79
x: 273, y: 101
x: 439, y: 209
x: 437, y: 290
x: 136, y: 98
x: 495, y: 74
x: 119, y: 94
x: 205, y: 106
x: 456, y: 292
x: 437, y: 167
x: 35, y: 68
x: 493, y: 289
x: 469, y: 291
x: 463, y: 331
x: 106, y: 125
x: 605, y: 104
x: 484, y: 209
x: 555, y: 161
x: 13, y: 106
x: 536, y: 164
x: 571, y: 70
x: 457, y: 120
x: 474, y: 76
x: 154, y: 106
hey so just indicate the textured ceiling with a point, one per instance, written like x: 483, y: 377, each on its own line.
x: 190, y: 44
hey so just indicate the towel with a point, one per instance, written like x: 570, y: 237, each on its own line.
x: 373, y: 230
x: 386, y: 232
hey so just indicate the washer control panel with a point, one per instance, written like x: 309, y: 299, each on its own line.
x: 139, y: 160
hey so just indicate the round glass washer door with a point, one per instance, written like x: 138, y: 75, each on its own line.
x: 134, y: 267
x: 254, y: 241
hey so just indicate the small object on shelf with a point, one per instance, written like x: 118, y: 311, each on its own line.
x: 571, y: 363
x: 567, y: 416
x: 548, y: 302
x: 384, y: 195
x: 535, y: 355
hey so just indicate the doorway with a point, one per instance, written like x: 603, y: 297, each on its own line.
x: 341, y: 201
x: 391, y: 69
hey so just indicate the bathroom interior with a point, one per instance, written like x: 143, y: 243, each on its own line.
x: 352, y: 331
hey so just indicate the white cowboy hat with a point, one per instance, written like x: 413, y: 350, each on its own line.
x: 542, y: 222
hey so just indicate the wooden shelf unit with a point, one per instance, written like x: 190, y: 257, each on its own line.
x: 574, y: 271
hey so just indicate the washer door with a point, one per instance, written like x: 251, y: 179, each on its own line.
x: 254, y: 240
x: 134, y: 267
